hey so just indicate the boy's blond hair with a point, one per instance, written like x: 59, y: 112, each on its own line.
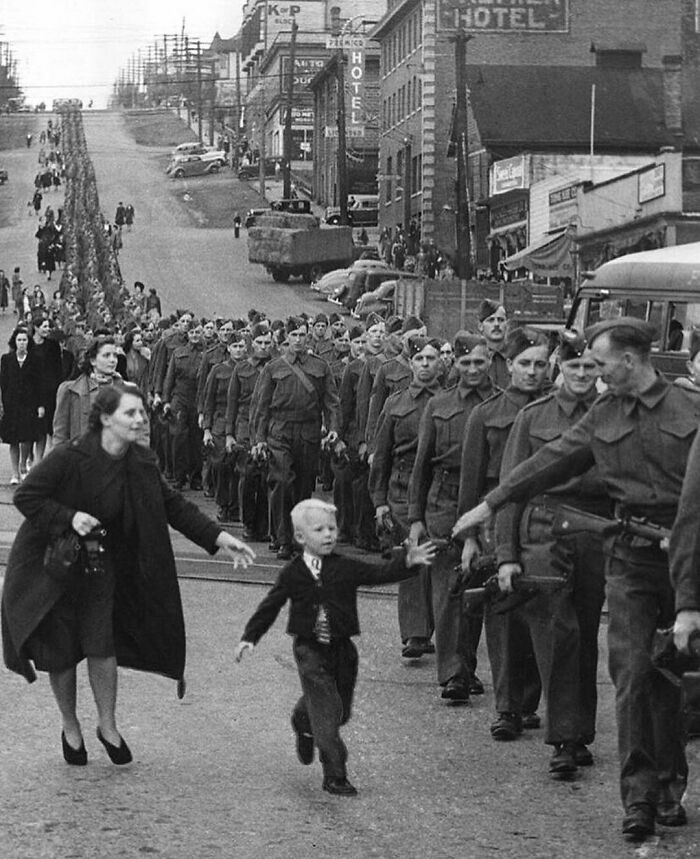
x: 300, y: 510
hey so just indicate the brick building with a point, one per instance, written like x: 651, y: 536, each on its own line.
x: 521, y: 101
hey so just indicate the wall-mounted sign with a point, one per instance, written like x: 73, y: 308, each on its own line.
x: 651, y: 183
x: 563, y: 206
x: 355, y: 83
x: 304, y: 70
x: 309, y: 15
x: 504, y: 16
x: 332, y: 131
x: 303, y: 116
x: 346, y: 41
x: 511, y: 213
x: 510, y: 174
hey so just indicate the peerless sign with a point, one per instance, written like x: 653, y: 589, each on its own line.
x: 504, y: 16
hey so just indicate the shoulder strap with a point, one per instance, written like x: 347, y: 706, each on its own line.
x: 303, y: 378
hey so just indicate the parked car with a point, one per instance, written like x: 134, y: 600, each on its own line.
x: 192, y: 147
x: 379, y: 300
x: 4, y: 176
x: 195, y: 165
x: 363, y: 211
x: 252, y: 215
x: 366, y: 280
x: 328, y: 284
x: 252, y: 171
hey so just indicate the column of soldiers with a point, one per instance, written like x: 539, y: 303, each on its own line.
x: 411, y: 444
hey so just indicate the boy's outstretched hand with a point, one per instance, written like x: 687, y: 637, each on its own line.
x: 420, y: 555
x: 241, y: 649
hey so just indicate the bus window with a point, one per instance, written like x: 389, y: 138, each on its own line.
x: 683, y: 319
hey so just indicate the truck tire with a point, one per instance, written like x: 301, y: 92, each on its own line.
x: 315, y: 272
x: 215, y: 167
x: 279, y: 275
x: 179, y: 173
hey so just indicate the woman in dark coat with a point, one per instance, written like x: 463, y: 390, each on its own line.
x: 47, y: 352
x: 127, y: 610
x: 22, y: 401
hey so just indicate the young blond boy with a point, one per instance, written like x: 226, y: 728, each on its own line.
x: 322, y: 588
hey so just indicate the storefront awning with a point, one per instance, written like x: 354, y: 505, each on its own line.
x: 547, y: 257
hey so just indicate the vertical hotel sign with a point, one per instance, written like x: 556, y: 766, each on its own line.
x: 503, y: 16
x: 355, y: 82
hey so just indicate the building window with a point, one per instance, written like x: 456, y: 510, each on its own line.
x: 619, y: 59
x: 417, y: 173
x: 389, y: 179
x: 409, y: 106
x: 399, y: 174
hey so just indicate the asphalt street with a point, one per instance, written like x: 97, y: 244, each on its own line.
x: 215, y: 775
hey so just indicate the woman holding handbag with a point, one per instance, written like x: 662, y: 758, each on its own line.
x: 118, y: 603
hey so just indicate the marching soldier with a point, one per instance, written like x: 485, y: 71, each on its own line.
x: 515, y: 679
x: 296, y: 397
x: 389, y: 478
x: 493, y: 325
x: 211, y: 356
x: 639, y: 435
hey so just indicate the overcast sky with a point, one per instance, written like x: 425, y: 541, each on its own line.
x: 75, y: 48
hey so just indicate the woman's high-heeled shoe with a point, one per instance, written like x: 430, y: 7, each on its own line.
x: 74, y: 757
x: 120, y: 754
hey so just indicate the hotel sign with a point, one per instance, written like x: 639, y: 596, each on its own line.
x: 503, y: 16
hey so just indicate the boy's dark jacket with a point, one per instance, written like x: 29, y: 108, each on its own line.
x: 340, y: 579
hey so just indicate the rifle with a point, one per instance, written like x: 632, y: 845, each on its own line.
x: 682, y: 670
x: 525, y: 588
x: 569, y: 520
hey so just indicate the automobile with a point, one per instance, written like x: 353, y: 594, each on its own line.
x: 194, y: 165
x: 365, y: 280
x: 192, y: 147
x: 328, y: 284
x: 363, y: 211
x: 379, y: 300
x: 4, y: 176
x: 252, y: 171
x: 252, y: 215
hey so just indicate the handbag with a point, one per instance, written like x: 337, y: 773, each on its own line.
x: 61, y: 556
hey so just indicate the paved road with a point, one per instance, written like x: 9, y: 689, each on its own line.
x: 202, y: 268
x: 215, y: 775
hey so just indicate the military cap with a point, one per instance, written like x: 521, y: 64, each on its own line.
x: 694, y: 342
x: 572, y: 344
x: 393, y: 324
x: 640, y: 330
x: 295, y: 322
x: 520, y: 339
x: 356, y: 331
x: 237, y: 337
x: 487, y: 308
x: 418, y: 343
x: 321, y: 317
x: 465, y: 341
x: 258, y: 331
x: 373, y: 319
x: 333, y: 318
x: 411, y: 323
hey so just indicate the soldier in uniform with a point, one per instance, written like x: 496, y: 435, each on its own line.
x: 171, y: 340
x: 515, y: 679
x: 639, y: 435
x: 239, y: 434
x: 211, y: 356
x: 180, y: 400
x: 389, y: 478
x: 493, y: 325
x: 564, y: 620
x: 393, y: 375
x: 296, y: 397
x: 354, y: 410
x: 432, y: 508
x: 319, y: 342
x: 214, y: 405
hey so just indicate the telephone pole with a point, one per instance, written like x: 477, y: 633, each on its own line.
x: 464, y: 261
x: 342, y: 143
x: 287, y: 188
x: 200, y: 104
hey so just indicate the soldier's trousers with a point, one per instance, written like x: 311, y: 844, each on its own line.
x: 224, y: 477
x: 328, y: 673
x: 343, y: 499
x: 653, y: 765
x: 294, y: 453
x: 552, y: 618
x: 186, y: 439
x: 364, y: 528
x: 414, y: 603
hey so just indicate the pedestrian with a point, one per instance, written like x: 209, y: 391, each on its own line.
x: 22, y: 401
x: 17, y: 292
x: 153, y: 306
x: 36, y: 201
x: 120, y: 215
x: 129, y: 216
x: 47, y: 352
x: 137, y: 358
x: 29, y: 140
x: 74, y: 398
x: 4, y: 292
x: 119, y: 603
x: 236, y: 225
x: 639, y: 434
x: 322, y: 589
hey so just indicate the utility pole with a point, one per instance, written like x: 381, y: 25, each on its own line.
x: 165, y: 67
x: 464, y: 261
x: 342, y: 144
x: 261, y: 148
x: 287, y: 188
x: 200, y: 105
